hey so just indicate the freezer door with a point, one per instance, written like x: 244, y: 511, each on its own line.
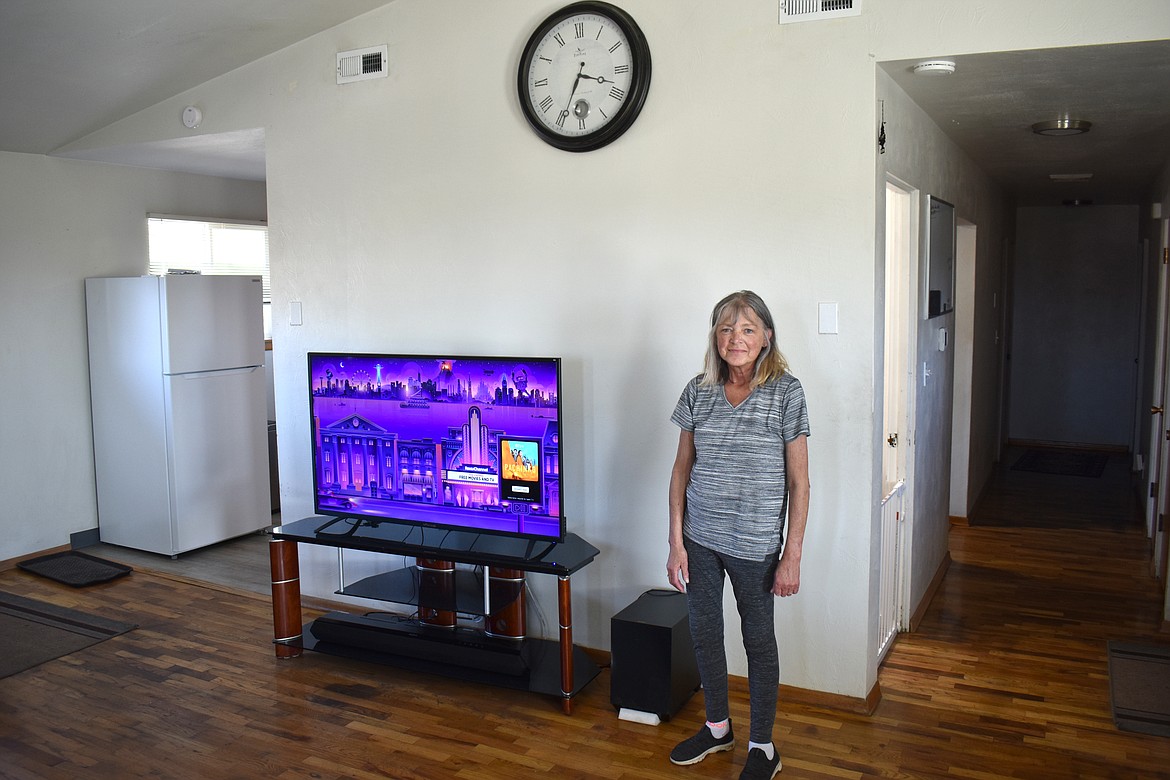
x: 218, y: 448
x: 212, y: 322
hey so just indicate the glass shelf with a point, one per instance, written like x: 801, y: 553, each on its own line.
x: 453, y: 591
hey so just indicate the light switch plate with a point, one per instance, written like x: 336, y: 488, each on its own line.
x: 826, y: 317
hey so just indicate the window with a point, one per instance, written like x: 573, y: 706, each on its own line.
x: 188, y: 244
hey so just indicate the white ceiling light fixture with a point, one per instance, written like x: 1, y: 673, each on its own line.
x: 935, y: 68
x: 1062, y: 127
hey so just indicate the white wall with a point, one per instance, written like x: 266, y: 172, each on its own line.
x: 401, y: 208
x: 1078, y: 273
x: 411, y: 241
x: 61, y: 221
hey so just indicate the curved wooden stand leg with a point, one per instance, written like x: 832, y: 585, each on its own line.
x: 506, y: 586
x: 565, y: 606
x: 286, y: 598
x: 436, y: 592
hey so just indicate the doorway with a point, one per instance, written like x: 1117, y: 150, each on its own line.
x: 901, y: 312
x: 964, y: 345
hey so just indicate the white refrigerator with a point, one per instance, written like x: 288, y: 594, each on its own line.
x: 177, y: 388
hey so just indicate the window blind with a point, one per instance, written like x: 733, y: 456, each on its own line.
x: 188, y: 244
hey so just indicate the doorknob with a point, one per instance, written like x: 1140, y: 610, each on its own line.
x: 1156, y: 410
x: 892, y: 440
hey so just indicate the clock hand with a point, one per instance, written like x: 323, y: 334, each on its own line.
x: 598, y: 79
x: 576, y: 81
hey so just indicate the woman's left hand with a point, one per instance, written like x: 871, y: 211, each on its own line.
x: 787, y: 579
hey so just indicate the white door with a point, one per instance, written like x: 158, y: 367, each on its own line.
x: 211, y: 322
x: 901, y: 312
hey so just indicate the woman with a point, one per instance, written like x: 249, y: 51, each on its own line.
x: 741, y: 468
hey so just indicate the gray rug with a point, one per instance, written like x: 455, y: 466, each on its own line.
x: 33, y: 632
x: 1139, y: 687
x: 1068, y: 463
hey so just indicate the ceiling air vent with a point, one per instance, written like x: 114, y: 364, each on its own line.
x: 362, y: 64
x: 808, y: 10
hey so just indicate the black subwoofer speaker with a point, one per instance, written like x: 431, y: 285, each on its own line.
x: 652, y: 659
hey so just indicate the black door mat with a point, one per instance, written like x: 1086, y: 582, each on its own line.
x: 1063, y: 462
x: 1139, y: 687
x: 75, y: 568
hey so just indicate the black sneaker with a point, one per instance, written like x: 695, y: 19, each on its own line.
x: 703, y: 744
x: 760, y: 767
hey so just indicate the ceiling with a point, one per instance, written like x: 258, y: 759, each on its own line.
x: 988, y: 105
x: 71, y: 67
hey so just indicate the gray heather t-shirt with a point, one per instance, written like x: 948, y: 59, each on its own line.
x: 738, y: 489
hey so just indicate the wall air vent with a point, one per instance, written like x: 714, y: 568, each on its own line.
x: 808, y: 10
x: 361, y: 64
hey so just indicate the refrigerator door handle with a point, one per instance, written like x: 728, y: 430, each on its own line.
x: 218, y: 372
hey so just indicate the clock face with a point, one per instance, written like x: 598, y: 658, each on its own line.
x: 584, y: 76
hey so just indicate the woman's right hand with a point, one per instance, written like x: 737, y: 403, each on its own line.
x: 677, y: 570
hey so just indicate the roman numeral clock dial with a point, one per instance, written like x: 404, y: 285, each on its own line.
x: 583, y: 76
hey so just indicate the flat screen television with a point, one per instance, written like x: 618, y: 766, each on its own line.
x: 442, y: 441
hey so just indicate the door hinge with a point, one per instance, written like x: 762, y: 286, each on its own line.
x: 1153, y: 490
x: 1165, y: 255
x: 1161, y: 522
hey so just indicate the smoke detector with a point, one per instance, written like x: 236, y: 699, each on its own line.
x: 192, y: 117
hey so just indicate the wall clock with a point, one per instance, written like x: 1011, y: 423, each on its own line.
x: 584, y: 75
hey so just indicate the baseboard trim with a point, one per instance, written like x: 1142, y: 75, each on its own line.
x: 83, y: 539
x: 830, y: 701
x: 931, y: 590
x: 833, y: 701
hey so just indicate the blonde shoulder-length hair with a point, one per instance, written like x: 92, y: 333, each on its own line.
x: 771, y: 362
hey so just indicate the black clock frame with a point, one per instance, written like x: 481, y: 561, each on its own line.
x: 639, y: 80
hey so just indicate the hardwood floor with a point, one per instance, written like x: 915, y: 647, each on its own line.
x: 1006, y: 678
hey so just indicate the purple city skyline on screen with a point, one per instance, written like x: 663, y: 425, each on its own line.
x: 419, y: 439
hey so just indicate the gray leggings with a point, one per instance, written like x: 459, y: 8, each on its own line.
x: 751, y: 582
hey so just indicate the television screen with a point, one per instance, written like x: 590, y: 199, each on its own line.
x: 467, y: 443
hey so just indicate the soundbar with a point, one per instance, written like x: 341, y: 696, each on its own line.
x: 400, y: 637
